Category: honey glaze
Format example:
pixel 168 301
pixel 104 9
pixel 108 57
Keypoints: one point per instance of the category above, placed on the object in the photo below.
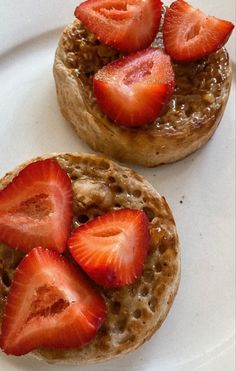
pixel 198 91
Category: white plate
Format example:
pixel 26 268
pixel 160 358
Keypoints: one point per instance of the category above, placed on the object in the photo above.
pixel 199 331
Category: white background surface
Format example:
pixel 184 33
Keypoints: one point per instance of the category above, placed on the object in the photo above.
pixel 199 331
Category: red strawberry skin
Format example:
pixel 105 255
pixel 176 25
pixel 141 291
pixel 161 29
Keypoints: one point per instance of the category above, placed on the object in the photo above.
pixel 36 208
pixel 133 90
pixel 50 304
pixel 112 248
pixel 126 25
pixel 189 34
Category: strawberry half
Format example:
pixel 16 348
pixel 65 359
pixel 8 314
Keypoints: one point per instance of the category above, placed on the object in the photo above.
pixel 133 90
pixel 50 304
pixel 127 25
pixel 36 208
pixel 189 34
pixel 112 248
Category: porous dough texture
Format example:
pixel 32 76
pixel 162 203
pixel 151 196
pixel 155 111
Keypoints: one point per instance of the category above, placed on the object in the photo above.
pixel 189 120
pixel 136 311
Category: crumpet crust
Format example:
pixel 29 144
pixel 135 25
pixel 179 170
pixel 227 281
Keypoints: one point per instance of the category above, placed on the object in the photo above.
pixel 136 311
pixel 190 120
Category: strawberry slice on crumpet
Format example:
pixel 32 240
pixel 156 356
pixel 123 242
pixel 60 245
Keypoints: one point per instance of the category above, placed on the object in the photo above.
pixel 50 304
pixel 112 248
pixel 189 34
pixel 126 25
pixel 36 208
pixel 133 90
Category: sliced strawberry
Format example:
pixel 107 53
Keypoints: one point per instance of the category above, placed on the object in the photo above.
pixel 112 248
pixel 127 25
pixel 36 207
pixel 189 34
pixel 133 90
pixel 50 304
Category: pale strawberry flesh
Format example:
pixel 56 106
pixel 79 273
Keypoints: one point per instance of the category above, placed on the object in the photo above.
pixel 127 25
pixel 112 248
pixel 132 91
pixel 36 208
pixel 189 34
pixel 50 304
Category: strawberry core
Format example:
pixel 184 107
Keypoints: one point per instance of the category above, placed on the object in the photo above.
pixel 112 6
pixel 47 302
pixel 36 207
pixel 108 233
pixel 194 31
pixel 138 74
